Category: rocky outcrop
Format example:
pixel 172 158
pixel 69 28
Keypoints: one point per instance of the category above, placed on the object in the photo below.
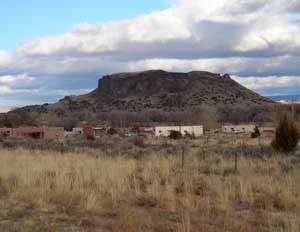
pixel 156 81
pixel 187 89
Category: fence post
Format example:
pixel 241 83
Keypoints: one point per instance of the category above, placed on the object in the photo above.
pixel 236 162
pixel 182 157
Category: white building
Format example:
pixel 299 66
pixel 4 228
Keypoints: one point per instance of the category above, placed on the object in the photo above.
pixel 165 130
pixel 237 129
pixel 192 130
pixel 185 130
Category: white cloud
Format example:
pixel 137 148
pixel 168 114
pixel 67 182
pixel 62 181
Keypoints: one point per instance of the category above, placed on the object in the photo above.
pixel 5 58
pixel 239 37
pixel 4 90
pixel 64 92
pixel 212 26
pixel 20 79
pixel 241 65
pixel 269 82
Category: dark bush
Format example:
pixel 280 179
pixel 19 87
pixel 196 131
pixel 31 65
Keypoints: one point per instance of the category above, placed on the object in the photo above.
pixel 175 134
pixel 286 136
pixel 90 137
pixel 256 133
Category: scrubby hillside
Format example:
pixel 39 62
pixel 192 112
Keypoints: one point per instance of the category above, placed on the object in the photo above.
pixel 153 96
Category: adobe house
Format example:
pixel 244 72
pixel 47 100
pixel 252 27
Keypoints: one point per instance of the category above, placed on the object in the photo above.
pixel 88 131
pixel 96 132
pixel 237 129
pixel 184 130
pixel 38 132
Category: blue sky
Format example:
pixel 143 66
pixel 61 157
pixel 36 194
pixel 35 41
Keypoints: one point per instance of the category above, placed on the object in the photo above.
pixel 49 49
pixel 29 19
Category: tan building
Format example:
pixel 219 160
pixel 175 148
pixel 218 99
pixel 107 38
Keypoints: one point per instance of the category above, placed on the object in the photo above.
pixel 237 129
pixel 77 131
pixel 38 132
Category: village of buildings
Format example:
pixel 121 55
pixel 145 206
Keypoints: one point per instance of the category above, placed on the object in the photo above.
pixel 194 131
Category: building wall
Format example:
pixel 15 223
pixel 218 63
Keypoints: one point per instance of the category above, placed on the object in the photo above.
pixel 196 130
pixel 88 131
pixel 26 132
pixel 53 133
pixel 165 130
pixel 267 131
pixel 238 128
pixel 78 131
pixel 40 133
pixel 5 131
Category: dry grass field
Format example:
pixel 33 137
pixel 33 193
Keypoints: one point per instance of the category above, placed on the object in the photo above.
pixel 50 191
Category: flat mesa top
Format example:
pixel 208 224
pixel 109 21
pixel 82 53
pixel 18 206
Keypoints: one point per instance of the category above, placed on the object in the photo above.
pixel 158 73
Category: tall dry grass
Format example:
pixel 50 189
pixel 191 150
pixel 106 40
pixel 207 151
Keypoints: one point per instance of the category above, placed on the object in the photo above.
pixel 206 195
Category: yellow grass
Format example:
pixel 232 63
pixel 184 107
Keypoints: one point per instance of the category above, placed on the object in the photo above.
pixel 150 194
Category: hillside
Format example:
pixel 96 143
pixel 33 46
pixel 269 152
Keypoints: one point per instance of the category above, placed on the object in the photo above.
pixel 153 96
pixel 171 91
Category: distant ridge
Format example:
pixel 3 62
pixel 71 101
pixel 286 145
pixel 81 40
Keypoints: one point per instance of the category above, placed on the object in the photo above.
pixel 284 97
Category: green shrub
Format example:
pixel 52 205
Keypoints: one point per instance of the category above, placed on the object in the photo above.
pixel 286 136
pixel 256 133
pixel 175 134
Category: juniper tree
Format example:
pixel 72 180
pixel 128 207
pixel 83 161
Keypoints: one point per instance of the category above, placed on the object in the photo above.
pixel 286 136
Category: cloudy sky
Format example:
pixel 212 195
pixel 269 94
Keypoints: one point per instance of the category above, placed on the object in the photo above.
pixel 48 50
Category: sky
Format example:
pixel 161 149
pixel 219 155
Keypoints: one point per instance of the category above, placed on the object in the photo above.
pixel 49 49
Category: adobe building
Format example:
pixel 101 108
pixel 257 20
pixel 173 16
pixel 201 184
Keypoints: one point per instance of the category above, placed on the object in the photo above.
pixel 38 132
pixel 5 132
pixel 95 132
